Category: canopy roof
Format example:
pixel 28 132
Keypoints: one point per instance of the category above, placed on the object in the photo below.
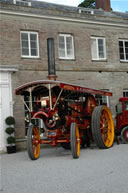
pixel 57 86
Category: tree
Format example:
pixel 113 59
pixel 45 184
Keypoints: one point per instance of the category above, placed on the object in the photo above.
pixel 88 4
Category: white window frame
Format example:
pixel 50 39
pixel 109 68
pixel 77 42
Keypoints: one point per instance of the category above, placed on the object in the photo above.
pixel 29 46
pixel 125 60
pixel 22 2
pixel 97 48
pixel 66 56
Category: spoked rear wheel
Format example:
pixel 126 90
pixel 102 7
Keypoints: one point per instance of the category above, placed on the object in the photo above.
pixel 124 134
pixel 75 140
pixel 33 142
pixel 102 127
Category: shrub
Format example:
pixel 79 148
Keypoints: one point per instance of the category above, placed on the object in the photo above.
pixel 11 140
pixel 10 120
pixel 9 130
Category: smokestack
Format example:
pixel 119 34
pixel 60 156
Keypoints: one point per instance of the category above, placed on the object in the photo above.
pixel 103 4
pixel 51 59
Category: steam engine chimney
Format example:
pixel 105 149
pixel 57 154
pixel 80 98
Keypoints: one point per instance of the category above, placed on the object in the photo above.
pixel 103 4
pixel 51 59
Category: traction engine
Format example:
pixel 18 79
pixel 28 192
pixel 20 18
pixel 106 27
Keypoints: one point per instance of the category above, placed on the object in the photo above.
pixel 65 114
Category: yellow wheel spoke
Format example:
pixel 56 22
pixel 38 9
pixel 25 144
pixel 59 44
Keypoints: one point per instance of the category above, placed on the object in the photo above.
pixel 107 131
pixel 35 140
pixel 77 141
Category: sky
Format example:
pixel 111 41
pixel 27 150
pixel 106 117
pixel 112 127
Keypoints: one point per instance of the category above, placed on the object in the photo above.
pixel 117 5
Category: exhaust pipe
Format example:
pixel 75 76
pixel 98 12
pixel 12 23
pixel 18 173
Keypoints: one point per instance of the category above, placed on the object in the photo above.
pixel 51 59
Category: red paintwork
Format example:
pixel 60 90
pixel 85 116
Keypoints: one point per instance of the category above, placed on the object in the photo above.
pixel 57 124
pixel 40 114
pixel 122 119
pixel 123 99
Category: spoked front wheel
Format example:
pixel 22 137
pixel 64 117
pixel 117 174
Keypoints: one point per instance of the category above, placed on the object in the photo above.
pixel 102 127
pixel 33 142
pixel 75 140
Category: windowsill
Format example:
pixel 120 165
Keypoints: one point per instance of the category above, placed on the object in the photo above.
pixel 35 58
pixel 124 61
pixel 73 59
pixel 103 60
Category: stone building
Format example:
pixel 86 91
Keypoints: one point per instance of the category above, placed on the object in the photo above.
pixel 91 49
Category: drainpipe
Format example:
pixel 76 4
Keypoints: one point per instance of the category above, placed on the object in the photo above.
pixel 51 59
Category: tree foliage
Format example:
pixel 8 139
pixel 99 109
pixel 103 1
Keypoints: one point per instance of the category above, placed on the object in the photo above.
pixel 88 4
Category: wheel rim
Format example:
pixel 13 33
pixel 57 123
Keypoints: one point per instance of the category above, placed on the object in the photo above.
pixel 106 127
pixel 77 141
pixel 35 142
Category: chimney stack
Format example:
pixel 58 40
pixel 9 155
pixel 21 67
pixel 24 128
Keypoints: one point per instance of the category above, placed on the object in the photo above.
pixel 103 4
pixel 51 59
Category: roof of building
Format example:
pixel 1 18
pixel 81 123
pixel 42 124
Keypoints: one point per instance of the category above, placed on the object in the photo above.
pixel 76 10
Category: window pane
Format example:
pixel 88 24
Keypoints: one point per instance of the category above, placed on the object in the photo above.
pixel 33 44
pixel 33 37
pixel 33 52
pixel 62 53
pixel 101 48
pixel 121 43
pixel 24 44
pixel 93 49
pixel 126 44
pixel 61 42
pixel 100 42
pixel 25 52
pixel 61 39
pixel 69 47
pixel 69 54
pixel 61 46
pixel 126 56
pixel 121 50
pixel 126 50
pixel 24 36
pixel 69 43
pixel 125 94
pixel 122 56
pixel 101 55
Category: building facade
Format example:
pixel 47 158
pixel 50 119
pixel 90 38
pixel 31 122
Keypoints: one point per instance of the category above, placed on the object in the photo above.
pixel 91 49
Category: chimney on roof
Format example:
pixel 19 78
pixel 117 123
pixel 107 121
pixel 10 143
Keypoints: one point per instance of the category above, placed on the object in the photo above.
pixel 103 4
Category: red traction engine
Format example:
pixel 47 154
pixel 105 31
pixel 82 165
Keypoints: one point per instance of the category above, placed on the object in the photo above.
pixel 65 114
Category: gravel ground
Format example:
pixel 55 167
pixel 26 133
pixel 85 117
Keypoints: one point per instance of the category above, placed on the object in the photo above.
pixel 96 171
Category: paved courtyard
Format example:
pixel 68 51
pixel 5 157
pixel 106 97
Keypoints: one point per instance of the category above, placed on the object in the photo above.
pixel 96 171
